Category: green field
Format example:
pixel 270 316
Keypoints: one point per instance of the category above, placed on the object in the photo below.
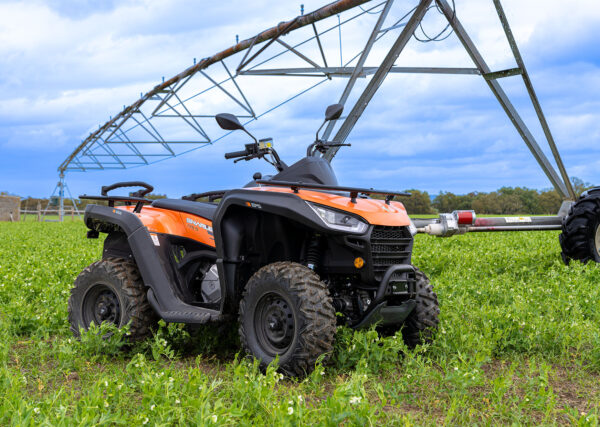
pixel 519 342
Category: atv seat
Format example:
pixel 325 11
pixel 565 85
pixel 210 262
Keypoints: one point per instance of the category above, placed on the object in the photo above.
pixel 203 209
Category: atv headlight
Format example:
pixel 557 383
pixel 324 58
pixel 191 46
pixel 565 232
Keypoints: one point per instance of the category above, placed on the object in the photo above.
pixel 339 220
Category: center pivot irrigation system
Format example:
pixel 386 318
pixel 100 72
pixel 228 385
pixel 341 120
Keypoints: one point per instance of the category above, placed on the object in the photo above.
pixel 174 117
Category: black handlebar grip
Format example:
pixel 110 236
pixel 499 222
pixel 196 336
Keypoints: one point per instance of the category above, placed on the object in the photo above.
pixel 141 193
pixel 236 154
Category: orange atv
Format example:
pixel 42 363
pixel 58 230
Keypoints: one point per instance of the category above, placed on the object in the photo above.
pixel 283 255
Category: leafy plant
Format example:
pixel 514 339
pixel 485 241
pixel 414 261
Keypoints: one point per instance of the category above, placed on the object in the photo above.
pixel 517 344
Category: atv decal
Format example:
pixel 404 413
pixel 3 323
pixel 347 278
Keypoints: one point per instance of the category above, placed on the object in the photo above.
pixel 154 238
pixel 513 219
pixel 192 222
pixel 254 205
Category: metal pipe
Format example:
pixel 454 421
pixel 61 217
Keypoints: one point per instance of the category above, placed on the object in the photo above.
pixel 508 107
pixel 534 98
pixel 273 32
pixel 349 71
pixel 447 225
pixel 512 220
pixel 378 77
pixel 514 228
pixel 357 72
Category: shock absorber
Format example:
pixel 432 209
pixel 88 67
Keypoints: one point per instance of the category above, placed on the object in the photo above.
pixel 313 253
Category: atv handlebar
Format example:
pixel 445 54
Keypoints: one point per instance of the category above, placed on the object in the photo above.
pixel 235 154
pixel 139 193
pixel 258 150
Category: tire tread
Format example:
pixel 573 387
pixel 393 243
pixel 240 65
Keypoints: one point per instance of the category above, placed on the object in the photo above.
pixel 317 336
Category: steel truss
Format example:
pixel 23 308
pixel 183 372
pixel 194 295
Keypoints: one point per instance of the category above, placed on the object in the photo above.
pixel 133 137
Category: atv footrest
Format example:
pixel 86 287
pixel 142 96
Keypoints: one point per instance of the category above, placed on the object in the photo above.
pixel 180 312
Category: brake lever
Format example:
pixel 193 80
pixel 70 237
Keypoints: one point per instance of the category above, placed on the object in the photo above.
pixel 246 158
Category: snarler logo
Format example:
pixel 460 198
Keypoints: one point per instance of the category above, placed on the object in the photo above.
pixel 192 222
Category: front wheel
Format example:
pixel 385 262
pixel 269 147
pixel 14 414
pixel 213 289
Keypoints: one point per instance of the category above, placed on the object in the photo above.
pixel 286 311
pixel 422 322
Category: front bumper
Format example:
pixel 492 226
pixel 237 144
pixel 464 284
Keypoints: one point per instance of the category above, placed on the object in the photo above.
pixel 386 286
pixel 384 315
pixel 381 312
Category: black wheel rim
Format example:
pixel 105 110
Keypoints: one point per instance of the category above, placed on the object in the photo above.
pixel 274 323
pixel 101 304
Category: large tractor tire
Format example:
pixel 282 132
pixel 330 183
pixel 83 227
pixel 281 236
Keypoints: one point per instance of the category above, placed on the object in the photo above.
pixel 422 322
pixel 286 311
pixel 580 237
pixel 111 290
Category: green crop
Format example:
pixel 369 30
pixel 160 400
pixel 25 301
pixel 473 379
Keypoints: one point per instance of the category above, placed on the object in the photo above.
pixel 518 343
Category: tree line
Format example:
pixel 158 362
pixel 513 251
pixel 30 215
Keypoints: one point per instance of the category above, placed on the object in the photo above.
pixel 504 201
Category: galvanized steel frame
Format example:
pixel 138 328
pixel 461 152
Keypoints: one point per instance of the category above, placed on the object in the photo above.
pixel 88 155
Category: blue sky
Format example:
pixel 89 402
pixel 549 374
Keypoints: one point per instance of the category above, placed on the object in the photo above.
pixel 66 66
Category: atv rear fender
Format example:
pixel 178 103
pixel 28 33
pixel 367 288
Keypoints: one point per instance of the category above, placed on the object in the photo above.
pixel 161 294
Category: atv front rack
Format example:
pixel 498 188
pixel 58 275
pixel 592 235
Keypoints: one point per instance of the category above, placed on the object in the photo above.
pixel 354 192
pixel 212 195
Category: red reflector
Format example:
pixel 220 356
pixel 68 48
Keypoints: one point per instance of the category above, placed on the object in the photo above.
pixel 465 217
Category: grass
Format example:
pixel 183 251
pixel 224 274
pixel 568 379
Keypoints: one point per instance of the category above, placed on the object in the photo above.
pixel 49 218
pixel 519 343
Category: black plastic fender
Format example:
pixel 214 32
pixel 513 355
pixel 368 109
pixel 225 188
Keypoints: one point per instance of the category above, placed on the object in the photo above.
pixel 228 235
pixel 161 294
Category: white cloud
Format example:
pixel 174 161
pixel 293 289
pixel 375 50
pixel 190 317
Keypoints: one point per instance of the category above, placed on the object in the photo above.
pixel 66 67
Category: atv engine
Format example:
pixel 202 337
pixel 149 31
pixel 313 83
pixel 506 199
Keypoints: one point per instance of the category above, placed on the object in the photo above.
pixel 211 287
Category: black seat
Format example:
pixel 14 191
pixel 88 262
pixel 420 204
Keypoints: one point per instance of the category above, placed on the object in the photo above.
pixel 203 209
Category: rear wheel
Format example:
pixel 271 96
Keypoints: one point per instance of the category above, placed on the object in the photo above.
pixel 580 237
pixel 286 311
pixel 422 322
pixel 111 290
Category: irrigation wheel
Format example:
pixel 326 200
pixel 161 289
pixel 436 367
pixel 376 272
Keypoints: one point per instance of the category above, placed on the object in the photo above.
pixel 580 237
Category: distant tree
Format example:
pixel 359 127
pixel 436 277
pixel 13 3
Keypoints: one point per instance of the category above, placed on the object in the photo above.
pixel 549 202
pixel 449 202
pixel 579 185
pixel 511 204
pixel 418 203
pixel 487 203
pixel 153 196
pixel 528 200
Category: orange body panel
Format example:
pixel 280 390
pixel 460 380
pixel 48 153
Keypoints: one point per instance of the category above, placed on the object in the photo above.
pixel 182 224
pixel 374 211
pixel 165 221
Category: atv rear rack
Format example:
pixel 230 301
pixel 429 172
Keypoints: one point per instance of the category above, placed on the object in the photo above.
pixel 354 192
pixel 128 200
pixel 137 197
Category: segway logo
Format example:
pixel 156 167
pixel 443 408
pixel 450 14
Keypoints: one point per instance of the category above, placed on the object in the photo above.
pixel 253 205
pixel 193 223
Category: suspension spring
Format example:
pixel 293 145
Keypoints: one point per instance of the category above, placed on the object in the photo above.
pixel 313 253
